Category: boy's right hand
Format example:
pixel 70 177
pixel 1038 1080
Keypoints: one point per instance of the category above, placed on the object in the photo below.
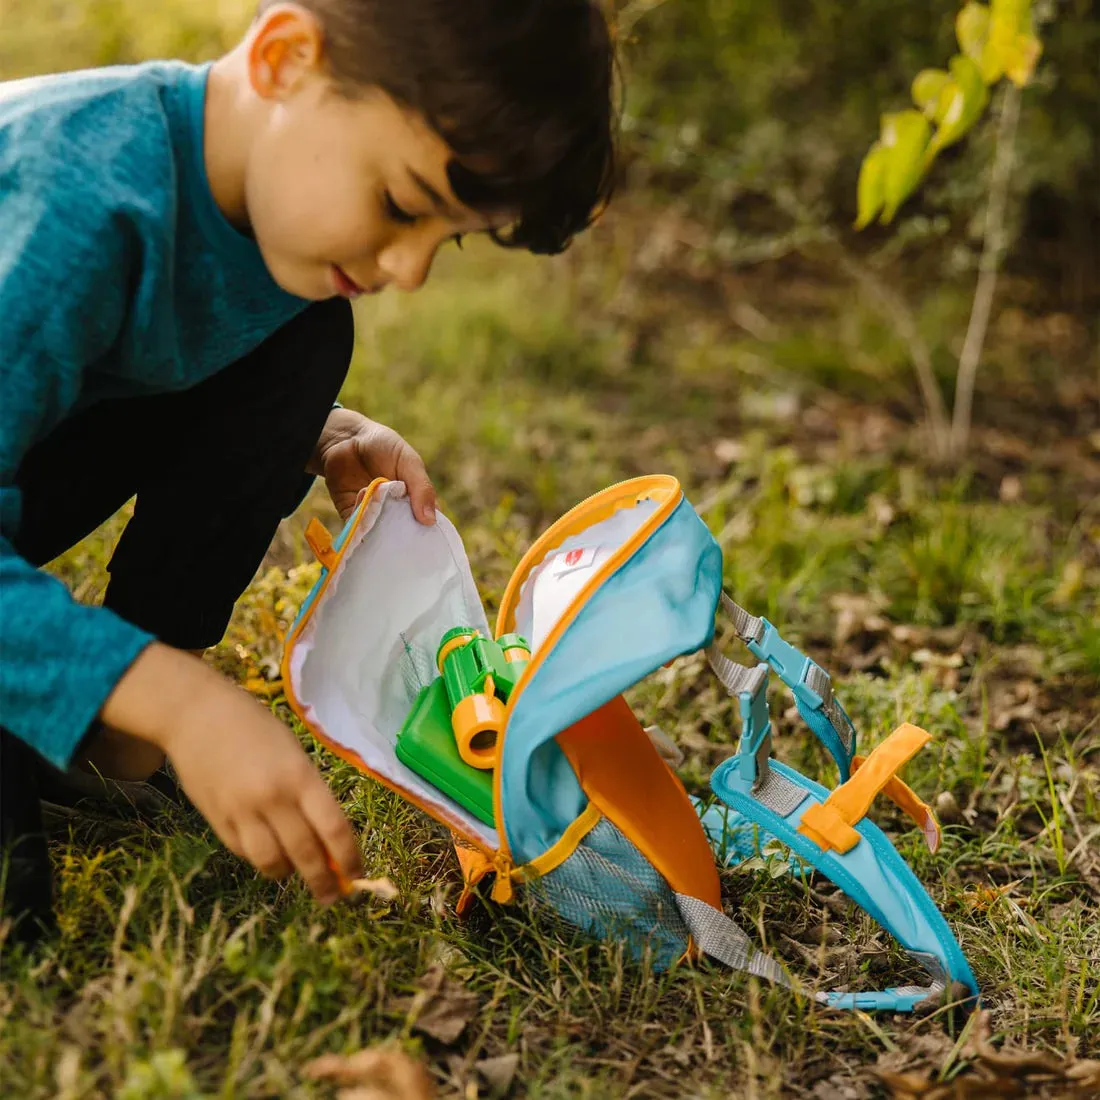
pixel 243 769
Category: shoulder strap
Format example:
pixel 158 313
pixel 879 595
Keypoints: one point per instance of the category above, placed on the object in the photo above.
pixel 811 684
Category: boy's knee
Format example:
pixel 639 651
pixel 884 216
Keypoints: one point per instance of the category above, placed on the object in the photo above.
pixel 117 755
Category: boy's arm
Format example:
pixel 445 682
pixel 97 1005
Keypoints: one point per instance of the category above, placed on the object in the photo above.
pixel 63 280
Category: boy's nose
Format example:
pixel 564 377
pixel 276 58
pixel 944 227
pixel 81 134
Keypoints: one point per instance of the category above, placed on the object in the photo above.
pixel 407 265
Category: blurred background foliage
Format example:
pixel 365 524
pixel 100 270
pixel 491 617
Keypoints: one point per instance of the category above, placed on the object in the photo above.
pixel 743 109
pixel 741 112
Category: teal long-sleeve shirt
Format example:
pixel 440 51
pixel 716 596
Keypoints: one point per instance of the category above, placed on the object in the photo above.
pixel 119 276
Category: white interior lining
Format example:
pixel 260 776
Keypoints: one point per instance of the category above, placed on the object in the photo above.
pixel 552 585
pixel 361 659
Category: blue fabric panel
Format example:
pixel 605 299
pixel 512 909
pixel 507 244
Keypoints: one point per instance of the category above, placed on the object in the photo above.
pixel 659 605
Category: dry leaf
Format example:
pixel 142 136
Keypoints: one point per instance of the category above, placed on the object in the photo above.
pixel 498 1072
pixel 730 450
pixel 442 1008
pixel 989 1072
pixel 381 888
pixel 947 808
pixel 381 1073
pixel 1011 489
pixel 904 1085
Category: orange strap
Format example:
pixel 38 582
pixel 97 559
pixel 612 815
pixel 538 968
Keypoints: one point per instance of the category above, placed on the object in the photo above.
pixel 918 811
pixel 320 542
pixel 475 866
pixel 829 824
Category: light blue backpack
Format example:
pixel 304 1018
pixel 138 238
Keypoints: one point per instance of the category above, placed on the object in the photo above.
pixel 588 818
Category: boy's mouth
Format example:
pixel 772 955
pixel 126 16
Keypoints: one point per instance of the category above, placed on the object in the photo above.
pixel 345 285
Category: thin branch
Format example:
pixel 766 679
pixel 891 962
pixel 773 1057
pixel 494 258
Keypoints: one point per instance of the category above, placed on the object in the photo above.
pixel 993 248
pixel 900 314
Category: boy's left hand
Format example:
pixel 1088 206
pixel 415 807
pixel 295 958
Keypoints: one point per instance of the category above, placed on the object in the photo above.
pixel 353 451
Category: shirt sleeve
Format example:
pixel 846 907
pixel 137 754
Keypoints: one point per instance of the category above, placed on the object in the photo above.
pixel 66 265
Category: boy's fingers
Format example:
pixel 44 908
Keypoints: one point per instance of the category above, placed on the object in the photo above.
pixel 334 831
pixel 261 847
pixel 412 471
pixel 306 852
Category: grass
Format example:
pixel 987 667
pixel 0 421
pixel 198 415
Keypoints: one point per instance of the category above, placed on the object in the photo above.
pixel 179 973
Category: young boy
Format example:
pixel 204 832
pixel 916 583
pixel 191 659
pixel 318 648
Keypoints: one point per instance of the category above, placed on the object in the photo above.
pixel 178 248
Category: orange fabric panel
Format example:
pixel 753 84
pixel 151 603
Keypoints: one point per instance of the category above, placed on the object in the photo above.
pixel 626 779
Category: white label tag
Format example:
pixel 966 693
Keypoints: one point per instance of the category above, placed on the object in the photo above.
pixel 572 560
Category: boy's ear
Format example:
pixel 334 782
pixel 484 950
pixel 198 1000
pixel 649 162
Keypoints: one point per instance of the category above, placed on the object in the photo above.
pixel 286 46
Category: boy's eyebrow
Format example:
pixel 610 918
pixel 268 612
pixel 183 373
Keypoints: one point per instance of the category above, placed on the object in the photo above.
pixel 439 203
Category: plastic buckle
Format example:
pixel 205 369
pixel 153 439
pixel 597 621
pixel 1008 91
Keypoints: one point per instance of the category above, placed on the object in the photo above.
pixel 791 665
pixel 756 736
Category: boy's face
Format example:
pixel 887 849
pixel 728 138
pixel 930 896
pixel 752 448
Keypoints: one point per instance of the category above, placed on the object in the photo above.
pixel 344 196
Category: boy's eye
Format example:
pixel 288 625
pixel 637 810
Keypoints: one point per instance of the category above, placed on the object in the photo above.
pixel 397 213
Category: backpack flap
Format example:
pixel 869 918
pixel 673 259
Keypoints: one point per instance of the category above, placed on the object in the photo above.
pixel 354 666
pixel 619 586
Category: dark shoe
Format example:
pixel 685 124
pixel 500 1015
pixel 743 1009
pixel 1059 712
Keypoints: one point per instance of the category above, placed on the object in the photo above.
pixel 26 883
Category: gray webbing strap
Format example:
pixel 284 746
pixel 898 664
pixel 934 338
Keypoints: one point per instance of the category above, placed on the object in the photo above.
pixel 778 793
pixel 722 939
pixel 736 678
pixel 749 628
pixel 819 682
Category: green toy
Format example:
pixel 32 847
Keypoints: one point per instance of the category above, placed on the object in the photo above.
pixel 450 735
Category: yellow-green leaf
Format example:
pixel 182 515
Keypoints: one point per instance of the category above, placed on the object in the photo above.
pixel 1021 65
pixel 972 30
pixel 905 137
pixel 1016 13
pixel 1008 21
pixel 968 99
pixel 928 88
pixel 869 192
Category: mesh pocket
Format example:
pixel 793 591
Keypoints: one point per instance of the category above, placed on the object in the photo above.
pixel 608 888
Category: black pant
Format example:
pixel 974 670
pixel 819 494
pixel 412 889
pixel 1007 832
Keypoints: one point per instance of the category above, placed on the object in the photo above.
pixel 215 468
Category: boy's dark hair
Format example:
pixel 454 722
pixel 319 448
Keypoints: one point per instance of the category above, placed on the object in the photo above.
pixel 521 90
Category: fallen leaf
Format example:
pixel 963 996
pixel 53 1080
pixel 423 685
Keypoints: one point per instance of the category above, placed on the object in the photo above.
pixel 904 1085
pixel 982 1071
pixel 937 660
pixel 380 1073
pixel 442 1008
pixel 730 450
pixel 1011 489
pixel 381 888
pixel 498 1072
pixel 947 808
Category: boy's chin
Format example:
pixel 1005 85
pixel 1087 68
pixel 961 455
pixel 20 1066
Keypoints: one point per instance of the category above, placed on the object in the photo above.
pixel 310 282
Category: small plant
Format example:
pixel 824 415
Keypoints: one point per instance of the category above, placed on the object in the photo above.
pixel 996 41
